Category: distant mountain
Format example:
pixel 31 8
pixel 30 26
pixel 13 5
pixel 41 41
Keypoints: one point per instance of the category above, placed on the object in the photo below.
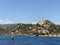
pixel 3 25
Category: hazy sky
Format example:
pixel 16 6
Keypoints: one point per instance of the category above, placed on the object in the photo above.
pixel 28 11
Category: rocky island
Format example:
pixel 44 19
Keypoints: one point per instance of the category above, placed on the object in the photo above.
pixel 41 28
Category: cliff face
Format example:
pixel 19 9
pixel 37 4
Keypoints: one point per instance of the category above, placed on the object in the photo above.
pixel 43 27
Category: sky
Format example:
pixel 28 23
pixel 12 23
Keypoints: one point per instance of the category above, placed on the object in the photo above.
pixel 29 11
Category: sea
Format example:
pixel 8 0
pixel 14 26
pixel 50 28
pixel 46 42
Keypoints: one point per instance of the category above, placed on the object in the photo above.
pixel 29 40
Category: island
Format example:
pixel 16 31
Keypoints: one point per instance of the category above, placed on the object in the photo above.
pixel 40 28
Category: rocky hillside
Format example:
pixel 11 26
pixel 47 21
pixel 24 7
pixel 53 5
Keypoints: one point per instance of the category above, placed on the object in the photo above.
pixel 43 27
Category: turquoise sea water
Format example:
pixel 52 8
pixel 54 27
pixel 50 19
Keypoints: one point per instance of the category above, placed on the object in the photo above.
pixel 28 40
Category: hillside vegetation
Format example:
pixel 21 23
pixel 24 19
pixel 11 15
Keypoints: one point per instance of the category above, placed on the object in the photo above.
pixel 41 28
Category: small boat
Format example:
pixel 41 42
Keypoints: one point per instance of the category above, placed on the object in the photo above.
pixel 12 38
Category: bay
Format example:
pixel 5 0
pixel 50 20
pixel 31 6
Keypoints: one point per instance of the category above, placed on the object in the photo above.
pixel 29 40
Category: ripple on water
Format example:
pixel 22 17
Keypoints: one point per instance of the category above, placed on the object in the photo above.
pixel 28 40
